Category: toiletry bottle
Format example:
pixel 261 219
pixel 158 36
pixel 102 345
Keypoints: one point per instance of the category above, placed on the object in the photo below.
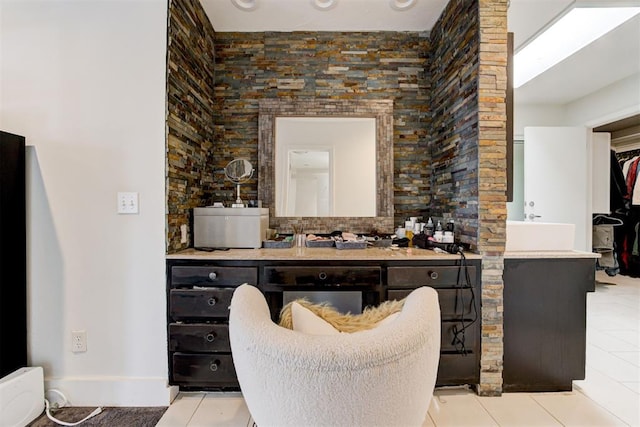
pixel 408 225
pixel 439 226
pixel 428 229
pixel 450 225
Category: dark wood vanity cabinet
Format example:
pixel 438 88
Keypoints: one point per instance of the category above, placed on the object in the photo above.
pixel 199 293
pixel 348 287
pixel 459 297
pixel 545 320
pixel 198 333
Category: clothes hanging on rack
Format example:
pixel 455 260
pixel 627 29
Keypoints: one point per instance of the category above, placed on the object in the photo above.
pixel 625 207
pixel 627 239
pixel 623 156
pixel 630 169
pixel 618 200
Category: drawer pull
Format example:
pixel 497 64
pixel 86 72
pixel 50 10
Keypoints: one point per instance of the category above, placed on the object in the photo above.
pixel 322 275
pixel 213 275
pixel 433 275
pixel 213 366
pixel 210 337
pixel 211 301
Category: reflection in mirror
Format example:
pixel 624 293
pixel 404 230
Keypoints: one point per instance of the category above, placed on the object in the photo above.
pixel 238 171
pixel 307 189
pixel 325 167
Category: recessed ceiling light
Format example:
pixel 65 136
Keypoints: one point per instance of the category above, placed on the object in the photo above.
pixel 402 4
pixel 573 31
pixel 324 4
pixel 245 4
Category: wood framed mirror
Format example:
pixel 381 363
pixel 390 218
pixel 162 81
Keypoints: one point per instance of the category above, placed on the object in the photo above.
pixel 380 110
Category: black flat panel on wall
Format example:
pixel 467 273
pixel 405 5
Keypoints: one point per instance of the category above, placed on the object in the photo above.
pixel 13 257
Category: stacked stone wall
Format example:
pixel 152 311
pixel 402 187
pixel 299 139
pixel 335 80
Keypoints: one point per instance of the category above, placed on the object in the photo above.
pixel 454 106
pixel 329 65
pixel 190 115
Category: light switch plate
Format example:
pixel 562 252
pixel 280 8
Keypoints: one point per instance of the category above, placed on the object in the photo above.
pixel 127 203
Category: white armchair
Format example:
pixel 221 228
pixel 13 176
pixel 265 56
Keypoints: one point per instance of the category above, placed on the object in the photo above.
pixel 379 377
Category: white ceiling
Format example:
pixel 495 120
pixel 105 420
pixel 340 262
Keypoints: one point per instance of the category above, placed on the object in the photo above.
pixel 609 59
pixel 613 57
pixel 301 15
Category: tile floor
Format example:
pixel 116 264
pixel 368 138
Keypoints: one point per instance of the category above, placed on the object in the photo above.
pixel 609 396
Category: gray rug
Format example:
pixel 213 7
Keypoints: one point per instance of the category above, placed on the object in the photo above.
pixel 115 417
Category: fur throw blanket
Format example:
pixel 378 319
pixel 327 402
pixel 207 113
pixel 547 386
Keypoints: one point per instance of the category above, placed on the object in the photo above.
pixel 343 322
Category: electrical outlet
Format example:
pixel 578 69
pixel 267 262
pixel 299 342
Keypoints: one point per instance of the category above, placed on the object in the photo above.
pixel 78 341
pixel 128 203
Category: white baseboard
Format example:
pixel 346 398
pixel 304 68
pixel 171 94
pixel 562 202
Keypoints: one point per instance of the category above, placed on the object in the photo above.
pixel 114 391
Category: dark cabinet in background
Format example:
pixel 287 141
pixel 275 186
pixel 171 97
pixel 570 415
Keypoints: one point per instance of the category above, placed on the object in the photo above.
pixel 545 320
pixel 13 256
pixel 459 311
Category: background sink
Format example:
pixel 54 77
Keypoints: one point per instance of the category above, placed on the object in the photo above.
pixel 539 236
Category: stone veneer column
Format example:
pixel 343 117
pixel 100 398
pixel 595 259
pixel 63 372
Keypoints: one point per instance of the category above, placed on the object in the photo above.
pixel 454 132
pixel 492 185
pixel 190 116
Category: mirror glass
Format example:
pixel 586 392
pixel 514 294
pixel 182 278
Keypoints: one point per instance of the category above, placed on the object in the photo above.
pixel 325 166
pixel 238 171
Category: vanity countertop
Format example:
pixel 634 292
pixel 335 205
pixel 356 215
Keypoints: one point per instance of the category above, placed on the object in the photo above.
pixel 333 254
pixel 329 254
pixel 549 254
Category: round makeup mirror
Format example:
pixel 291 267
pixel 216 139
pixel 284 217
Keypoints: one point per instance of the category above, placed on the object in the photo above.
pixel 238 171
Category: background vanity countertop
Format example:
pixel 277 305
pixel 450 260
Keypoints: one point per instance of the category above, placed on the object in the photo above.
pixel 549 254
pixel 319 254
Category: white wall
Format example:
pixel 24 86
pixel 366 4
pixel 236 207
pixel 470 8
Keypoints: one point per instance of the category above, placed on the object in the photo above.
pixel 525 115
pixel 84 82
pixel 614 102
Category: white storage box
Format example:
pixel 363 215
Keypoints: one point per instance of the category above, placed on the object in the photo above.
pixel 21 397
pixel 230 227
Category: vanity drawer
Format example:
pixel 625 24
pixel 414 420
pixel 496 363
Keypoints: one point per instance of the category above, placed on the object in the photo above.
pixel 436 277
pixel 199 337
pixel 454 303
pixel 313 276
pixel 213 276
pixel 448 337
pixel 456 369
pixel 200 303
pixel 204 370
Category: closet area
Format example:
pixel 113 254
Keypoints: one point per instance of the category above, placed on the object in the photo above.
pixel 617 236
